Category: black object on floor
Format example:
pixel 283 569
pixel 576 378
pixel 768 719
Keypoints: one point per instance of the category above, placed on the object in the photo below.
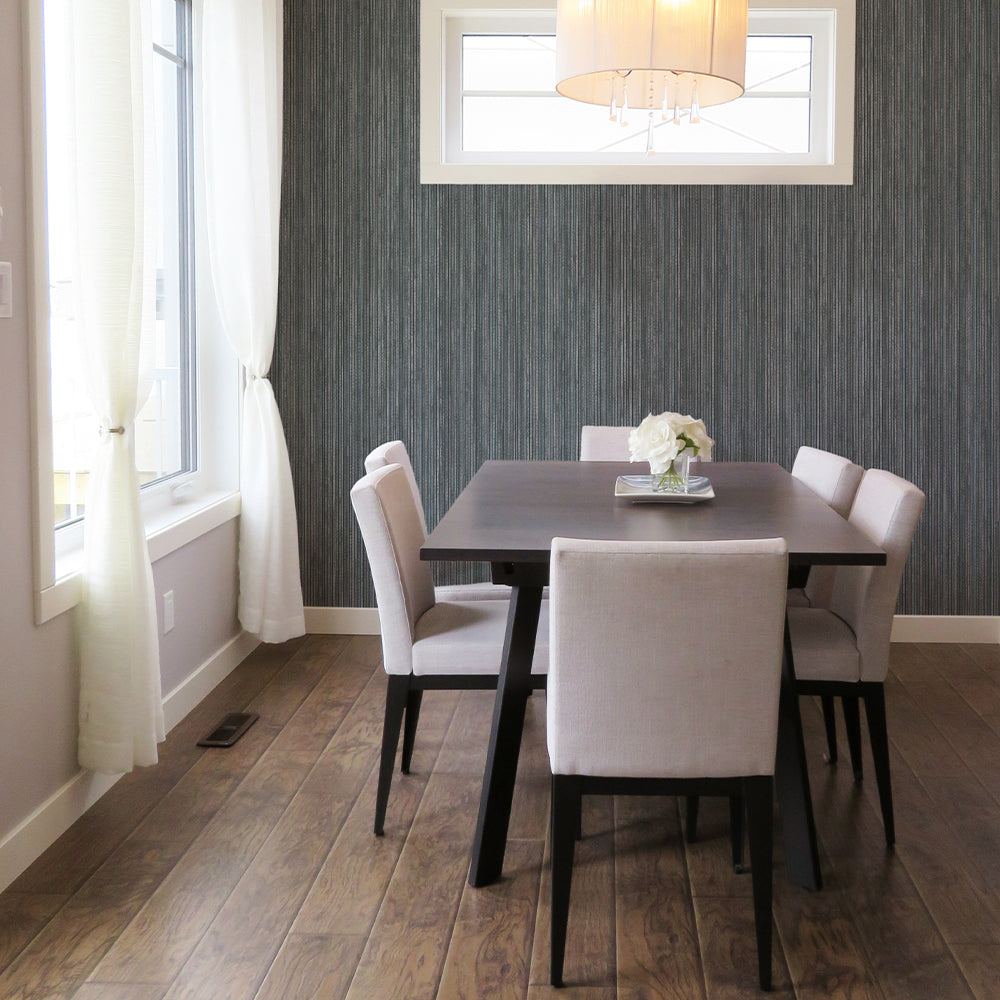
pixel 229 730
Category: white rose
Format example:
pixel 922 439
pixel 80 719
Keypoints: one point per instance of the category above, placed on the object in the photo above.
pixel 696 431
pixel 654 441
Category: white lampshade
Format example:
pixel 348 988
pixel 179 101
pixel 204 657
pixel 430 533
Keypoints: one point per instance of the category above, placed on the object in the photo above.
pixel 651 53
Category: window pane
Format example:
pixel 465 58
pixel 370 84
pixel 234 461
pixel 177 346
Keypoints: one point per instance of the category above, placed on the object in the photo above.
pixel 159 430
pixel 776 62
pixel 536 124
pixel 508 120
pixel 163 427
pixel 165 24
pixel 74 427
pixel 509 62
pixel 527 124
pixel 778 125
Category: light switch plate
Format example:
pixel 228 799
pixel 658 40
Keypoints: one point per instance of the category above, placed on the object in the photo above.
pixel 6 290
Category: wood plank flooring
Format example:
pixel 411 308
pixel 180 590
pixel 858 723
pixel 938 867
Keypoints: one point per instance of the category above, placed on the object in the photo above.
pixel 252 873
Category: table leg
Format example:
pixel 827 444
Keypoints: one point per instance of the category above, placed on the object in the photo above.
pixel 792 784
pixel 513 688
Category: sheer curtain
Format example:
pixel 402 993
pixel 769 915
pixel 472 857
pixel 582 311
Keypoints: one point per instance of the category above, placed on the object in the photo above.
pixel 241 64
pixel 121 713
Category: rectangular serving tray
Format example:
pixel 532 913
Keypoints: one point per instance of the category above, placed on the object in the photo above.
pixel 639 489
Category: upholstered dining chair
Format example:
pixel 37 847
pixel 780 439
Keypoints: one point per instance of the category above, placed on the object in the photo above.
pixel 394 453
pixel 427 643
pixel 843 650
pixel 836 480
pixel 607 443
pixel 638 703
pixel 599 443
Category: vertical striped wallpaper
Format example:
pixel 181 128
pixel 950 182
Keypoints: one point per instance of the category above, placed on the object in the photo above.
pixel 479 322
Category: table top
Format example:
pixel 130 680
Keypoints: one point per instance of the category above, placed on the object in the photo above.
pixel 511 511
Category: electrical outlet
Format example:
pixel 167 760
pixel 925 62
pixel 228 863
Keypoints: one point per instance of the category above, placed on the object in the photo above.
pixel 6 290
pixel 168 611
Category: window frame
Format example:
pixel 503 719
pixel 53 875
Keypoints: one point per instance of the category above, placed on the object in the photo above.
pixel 177 508
pixel 442 24
pixel 69 532
pixel 186 238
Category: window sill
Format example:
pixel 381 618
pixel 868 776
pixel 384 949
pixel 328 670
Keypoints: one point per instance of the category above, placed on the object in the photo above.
pixel 434 171
pixel 167 531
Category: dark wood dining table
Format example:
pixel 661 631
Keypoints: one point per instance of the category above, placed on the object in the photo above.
pixel 508 515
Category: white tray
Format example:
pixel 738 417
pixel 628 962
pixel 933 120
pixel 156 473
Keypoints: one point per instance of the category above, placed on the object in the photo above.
pixel 639 489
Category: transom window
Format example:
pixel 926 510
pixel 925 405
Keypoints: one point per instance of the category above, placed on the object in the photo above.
pixel 499 119
pixel 507 107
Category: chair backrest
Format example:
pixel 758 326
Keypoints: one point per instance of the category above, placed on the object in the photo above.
pixel 836 480
pixel 394 453
pixel 665 657
pixel 600 443
pixel 604 444
pixel 886 509
pixel 391 529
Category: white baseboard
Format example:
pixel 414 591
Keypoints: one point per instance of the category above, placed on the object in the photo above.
pixel 30 838
pixel 52 818
pixel 342 621
pixel 946 628
pixel 905 628
pixel 37 832
pixel 193 689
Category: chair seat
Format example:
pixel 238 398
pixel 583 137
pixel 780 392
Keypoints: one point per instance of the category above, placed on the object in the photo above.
pixel 796 598
pixel 467 637
pixel 472 592
pixel 824 647
pixel 476 592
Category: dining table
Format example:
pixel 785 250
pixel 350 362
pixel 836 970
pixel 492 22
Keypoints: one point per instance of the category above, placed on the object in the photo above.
pixel 507 517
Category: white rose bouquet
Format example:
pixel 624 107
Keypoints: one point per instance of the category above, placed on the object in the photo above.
pixel 662 439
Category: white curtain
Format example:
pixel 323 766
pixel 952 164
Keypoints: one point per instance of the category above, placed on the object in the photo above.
pixel 241 65
pixel 121 712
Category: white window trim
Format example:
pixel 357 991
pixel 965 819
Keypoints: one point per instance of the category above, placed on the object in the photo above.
pixel 435 168
pixel 181 508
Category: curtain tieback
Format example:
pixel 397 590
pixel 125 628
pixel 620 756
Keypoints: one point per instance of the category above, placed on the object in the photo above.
pixel 112 430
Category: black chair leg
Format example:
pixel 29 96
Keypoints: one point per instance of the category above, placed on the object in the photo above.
pixel 874 695
pixel 413 699
pixel 759 794
pixel 564 817
pixel 737 808
pixel 852 723
pixel 395 704
pixel 691 818
pixel 829 721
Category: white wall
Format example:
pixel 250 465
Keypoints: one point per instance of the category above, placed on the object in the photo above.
pixel 38 664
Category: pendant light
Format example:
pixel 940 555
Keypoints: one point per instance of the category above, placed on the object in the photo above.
pixel 663 56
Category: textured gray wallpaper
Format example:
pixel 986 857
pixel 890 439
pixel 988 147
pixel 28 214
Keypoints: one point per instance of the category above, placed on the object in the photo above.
pixel 492 322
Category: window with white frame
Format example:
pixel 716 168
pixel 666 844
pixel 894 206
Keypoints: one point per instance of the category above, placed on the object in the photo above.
pixel 490 112
pixel 166 427
pixel 187 433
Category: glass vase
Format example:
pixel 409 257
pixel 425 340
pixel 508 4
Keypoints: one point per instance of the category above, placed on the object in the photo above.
pixel 677 477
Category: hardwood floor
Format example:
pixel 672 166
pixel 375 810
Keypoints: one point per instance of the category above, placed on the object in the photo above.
pixel 252 872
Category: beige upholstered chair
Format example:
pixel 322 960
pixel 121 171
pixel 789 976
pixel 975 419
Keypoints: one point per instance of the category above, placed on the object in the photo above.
pixel 394 453
pixel 600 443
pixel 836 480
pixel 426 642
pixel 844 650
pixel 604 444
pixel 642 703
